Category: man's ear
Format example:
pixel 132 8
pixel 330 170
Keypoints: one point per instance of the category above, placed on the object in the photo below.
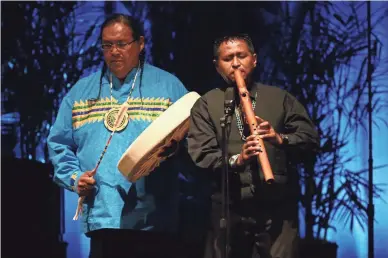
pixel 141 43
pixel 215 64
pixel 255 60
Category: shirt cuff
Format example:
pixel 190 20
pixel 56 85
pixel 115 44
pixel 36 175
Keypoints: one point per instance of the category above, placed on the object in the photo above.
pixel 74 181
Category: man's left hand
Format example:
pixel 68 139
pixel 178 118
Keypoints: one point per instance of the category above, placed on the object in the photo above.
pixel 266 131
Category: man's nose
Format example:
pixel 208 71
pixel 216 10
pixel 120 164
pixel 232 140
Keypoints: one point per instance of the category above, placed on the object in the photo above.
pixel 114 49
pixel 235 62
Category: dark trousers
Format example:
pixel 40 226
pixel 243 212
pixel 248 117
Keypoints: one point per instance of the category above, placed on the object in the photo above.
pixel 119 243
pixel 257 230
pixel 250 244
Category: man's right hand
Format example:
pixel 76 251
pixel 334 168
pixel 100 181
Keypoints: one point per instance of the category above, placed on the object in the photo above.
pixel 251 148
pixel 86 184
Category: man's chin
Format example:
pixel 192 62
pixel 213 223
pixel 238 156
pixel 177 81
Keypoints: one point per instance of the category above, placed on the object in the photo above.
pixel 119 74
pixel 117 67
pixel 117 70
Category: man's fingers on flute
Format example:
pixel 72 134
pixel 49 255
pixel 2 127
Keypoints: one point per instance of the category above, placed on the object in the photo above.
pixel 252 143
pixel 259 119
pixel 265 125
pixel 254 149
pixel 262 132
pixel 251 137
pixel 263 136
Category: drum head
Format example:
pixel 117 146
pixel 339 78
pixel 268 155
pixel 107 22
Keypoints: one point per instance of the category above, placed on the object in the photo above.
pixel 145 153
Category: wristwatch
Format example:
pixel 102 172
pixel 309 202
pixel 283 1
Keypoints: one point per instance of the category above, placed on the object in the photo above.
pixel 233 161
pixel 285 140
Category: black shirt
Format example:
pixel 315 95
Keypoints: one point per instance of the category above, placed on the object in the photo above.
pixel 279 108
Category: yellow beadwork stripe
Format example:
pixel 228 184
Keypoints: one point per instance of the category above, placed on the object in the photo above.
pixel 84 112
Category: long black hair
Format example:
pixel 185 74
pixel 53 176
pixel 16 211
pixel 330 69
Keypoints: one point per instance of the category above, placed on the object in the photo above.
pixel 137 31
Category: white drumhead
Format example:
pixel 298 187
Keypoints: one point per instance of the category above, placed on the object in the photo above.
pixel 142 156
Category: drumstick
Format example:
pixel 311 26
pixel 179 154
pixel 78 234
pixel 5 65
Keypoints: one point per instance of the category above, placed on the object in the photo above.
pixel 118 120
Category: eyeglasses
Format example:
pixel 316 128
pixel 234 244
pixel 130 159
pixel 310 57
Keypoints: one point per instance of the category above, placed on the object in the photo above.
pixel 119 45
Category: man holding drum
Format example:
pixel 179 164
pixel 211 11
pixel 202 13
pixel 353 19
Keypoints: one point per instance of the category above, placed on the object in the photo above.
pixel 263 210
pixel 123 219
